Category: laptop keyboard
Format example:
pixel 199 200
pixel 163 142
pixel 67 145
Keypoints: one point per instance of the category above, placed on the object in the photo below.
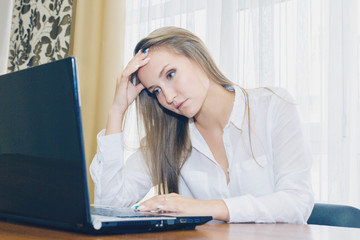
pixel 122 212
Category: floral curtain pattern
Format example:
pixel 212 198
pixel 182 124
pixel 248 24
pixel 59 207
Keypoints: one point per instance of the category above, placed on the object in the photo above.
pixel 40 32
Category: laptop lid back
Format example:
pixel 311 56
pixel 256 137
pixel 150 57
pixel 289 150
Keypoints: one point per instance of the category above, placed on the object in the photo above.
pixel 42 162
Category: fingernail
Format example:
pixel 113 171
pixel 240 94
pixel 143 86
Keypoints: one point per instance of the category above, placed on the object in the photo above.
pixel 138 208
pixel 146 59
pixel 146 50
pixel 136 66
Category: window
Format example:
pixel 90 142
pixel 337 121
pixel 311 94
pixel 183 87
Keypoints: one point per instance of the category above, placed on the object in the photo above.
pixel 309 47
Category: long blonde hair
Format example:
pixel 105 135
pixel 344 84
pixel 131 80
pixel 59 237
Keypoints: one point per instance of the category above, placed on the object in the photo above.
pixel 166 144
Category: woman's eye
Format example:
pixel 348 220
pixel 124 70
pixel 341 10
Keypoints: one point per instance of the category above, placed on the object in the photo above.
pixel 156 91
pixel 170 75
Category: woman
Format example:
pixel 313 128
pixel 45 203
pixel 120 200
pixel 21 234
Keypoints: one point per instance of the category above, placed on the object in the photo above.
pixel 210 147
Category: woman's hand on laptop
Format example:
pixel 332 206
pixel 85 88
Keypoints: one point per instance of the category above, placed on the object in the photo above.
pixel 180 205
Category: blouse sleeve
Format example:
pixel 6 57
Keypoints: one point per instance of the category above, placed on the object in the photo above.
pixel 118 183
pixel 292 200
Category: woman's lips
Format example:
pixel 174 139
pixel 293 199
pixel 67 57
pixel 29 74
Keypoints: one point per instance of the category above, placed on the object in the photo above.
pixel 180 104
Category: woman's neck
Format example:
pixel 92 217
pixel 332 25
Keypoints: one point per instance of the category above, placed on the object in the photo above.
pixel 217 108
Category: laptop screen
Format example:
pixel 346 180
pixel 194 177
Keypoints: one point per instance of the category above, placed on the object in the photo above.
pixel 42 163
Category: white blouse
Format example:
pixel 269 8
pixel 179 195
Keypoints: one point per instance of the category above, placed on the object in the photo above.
pixel 273 187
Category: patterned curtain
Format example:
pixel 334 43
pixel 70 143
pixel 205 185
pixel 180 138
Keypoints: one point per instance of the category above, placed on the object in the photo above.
pixel 40 32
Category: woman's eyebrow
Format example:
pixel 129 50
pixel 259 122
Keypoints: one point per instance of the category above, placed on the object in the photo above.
pixel 162 70
pixel 149 88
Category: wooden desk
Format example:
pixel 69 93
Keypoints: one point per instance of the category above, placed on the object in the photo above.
pixel 218 231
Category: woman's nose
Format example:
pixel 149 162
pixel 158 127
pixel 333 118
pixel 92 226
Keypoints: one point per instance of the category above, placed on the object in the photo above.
pixel 169 94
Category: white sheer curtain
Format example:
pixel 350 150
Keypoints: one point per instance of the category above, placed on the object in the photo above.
pixel 6 7
pixel 310 47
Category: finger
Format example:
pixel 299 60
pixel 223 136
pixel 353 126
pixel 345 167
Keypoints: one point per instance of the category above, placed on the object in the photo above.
pixel 141 54
pixel 138 53
pixel 140 59
pixel 133 66
pixel 141 51
pixel 143 62
pixel 139 87
pixel 152 204
pixel 147 208
pixel 168 208
pixel 139 63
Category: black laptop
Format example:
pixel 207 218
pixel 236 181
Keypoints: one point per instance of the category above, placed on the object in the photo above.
pixel 43 178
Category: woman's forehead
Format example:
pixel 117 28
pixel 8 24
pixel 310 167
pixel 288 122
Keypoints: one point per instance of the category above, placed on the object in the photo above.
pixel 160 57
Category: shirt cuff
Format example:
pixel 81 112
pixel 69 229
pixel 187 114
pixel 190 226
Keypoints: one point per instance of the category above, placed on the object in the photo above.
pixel 240 209
pixel 110 147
